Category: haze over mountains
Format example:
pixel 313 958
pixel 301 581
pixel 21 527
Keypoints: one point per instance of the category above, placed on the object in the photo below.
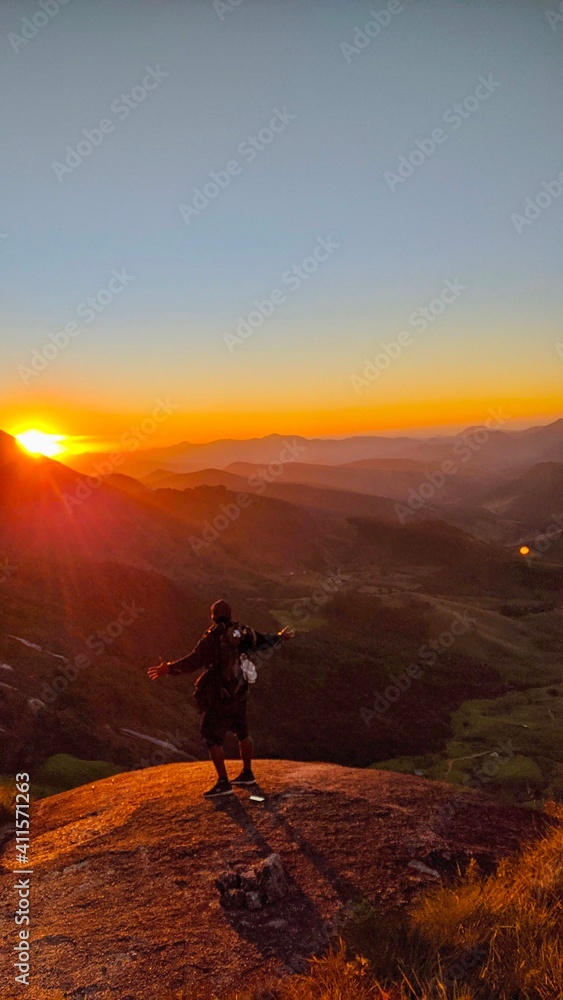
pixel 505 450
pixel 455 477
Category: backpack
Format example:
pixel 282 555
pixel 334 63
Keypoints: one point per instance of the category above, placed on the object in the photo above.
pixel 241 641
pixel 228 677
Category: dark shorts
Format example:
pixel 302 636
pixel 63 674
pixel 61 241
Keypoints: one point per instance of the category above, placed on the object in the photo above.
pixel 220 720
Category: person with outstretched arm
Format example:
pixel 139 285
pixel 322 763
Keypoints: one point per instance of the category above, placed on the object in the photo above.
pixel 225 655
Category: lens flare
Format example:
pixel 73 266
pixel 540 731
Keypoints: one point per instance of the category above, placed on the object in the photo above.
pixel 39 443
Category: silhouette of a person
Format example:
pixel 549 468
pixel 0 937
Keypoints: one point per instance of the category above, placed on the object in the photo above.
pixel 222 690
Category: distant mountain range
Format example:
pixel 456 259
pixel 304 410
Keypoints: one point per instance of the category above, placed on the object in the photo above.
pixel 477 449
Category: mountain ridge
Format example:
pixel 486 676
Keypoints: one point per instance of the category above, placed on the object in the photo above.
pixel 509 449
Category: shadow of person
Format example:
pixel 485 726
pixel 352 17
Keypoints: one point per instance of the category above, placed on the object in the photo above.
pixel 344 888
pixel 292 929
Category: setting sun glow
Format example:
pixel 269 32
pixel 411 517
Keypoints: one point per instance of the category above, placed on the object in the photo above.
pixel 39 443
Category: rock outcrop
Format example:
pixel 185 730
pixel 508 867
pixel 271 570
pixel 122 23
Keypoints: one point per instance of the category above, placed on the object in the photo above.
pixel 266 882
pixel 124 901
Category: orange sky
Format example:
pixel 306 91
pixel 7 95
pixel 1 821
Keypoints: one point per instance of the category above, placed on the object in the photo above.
pixel 93 429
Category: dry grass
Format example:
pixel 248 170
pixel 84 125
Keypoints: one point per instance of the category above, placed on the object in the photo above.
pixel 499 936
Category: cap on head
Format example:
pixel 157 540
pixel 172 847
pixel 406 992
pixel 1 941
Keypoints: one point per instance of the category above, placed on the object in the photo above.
pixel 221 611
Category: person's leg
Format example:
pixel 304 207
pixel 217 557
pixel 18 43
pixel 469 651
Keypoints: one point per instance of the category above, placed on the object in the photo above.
pixel 217 755
pixel 246 750
pixel 240 729
pixel 213 732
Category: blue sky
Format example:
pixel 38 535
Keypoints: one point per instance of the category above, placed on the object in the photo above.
pixel 322 175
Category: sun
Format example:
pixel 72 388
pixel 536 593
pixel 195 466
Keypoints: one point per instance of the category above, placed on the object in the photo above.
pixel 40 443
pixel 524 550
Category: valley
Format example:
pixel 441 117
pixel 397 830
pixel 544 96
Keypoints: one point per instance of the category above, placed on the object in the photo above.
pixel 107 585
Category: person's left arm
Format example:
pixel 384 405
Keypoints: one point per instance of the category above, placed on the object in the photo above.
pixel 265 640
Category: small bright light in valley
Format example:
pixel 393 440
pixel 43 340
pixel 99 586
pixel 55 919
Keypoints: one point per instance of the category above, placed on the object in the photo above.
pixel 524 550
pixel 39 443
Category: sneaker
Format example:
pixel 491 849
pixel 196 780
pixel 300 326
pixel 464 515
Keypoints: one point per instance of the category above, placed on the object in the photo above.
pixel 222 787
pixel 245 777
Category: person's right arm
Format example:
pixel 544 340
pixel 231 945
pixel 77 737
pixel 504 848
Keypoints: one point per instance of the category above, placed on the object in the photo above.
pixel 199 658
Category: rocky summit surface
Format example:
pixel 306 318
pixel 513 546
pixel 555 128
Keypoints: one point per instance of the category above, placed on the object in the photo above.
pixel 125 902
